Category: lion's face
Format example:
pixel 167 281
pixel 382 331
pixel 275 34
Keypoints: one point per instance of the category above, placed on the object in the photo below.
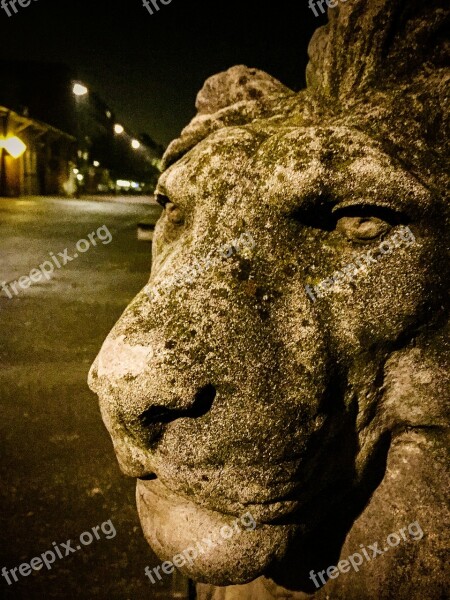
pixel 231 388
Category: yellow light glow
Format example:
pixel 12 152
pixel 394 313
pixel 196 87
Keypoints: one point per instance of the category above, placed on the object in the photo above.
pixel 135 144
pixel 118 128
pixel 79 89
pixel 14 146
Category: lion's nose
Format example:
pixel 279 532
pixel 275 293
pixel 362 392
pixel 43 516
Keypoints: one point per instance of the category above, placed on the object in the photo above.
pixel 147 428
pixel 137 411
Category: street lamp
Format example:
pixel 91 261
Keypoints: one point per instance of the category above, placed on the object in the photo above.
pixel 79 89
pixel 135 144
pixel 14 146
pixel 118 128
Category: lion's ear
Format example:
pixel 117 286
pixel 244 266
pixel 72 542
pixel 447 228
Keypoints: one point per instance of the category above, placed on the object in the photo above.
pixel 235 97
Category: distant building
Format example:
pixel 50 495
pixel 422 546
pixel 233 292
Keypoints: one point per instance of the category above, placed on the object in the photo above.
pixel 72 144
pixel 48 163
pixel 40 90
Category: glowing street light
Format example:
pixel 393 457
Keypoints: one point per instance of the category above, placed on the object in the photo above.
pixel 79 89
pixel 96 163
pixel 14 146
pixel 135 144
pixel 118 128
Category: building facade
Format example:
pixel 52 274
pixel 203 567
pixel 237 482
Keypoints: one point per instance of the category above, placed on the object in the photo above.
pixel 45 167
pixel 72 143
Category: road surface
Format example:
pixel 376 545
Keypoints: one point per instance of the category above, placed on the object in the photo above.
pixel 59 477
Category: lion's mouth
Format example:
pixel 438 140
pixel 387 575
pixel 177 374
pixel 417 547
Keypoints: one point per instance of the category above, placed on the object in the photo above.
pixel 282 508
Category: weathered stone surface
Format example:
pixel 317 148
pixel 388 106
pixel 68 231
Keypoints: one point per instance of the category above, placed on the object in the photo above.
pixel 229 389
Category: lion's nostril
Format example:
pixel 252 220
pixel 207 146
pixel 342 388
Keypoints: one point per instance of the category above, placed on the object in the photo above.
pixel 157 414
pixel 202 404
pixel 148 477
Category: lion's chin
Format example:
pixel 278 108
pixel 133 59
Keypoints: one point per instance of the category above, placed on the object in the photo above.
pixel 206 545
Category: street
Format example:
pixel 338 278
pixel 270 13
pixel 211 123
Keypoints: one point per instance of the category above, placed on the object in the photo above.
pixel 59 476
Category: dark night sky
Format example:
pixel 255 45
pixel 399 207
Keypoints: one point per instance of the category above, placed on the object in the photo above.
pixel 149 68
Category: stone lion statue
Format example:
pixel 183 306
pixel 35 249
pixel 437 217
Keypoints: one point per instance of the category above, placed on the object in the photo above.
pixel 289 358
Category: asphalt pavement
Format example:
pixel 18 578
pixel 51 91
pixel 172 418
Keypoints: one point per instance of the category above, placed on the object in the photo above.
pixel 58 475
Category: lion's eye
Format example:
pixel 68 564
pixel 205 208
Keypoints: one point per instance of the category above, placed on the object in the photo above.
pixel 162 200
pixel 362 229
pixel 174 213
pixel 364 223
